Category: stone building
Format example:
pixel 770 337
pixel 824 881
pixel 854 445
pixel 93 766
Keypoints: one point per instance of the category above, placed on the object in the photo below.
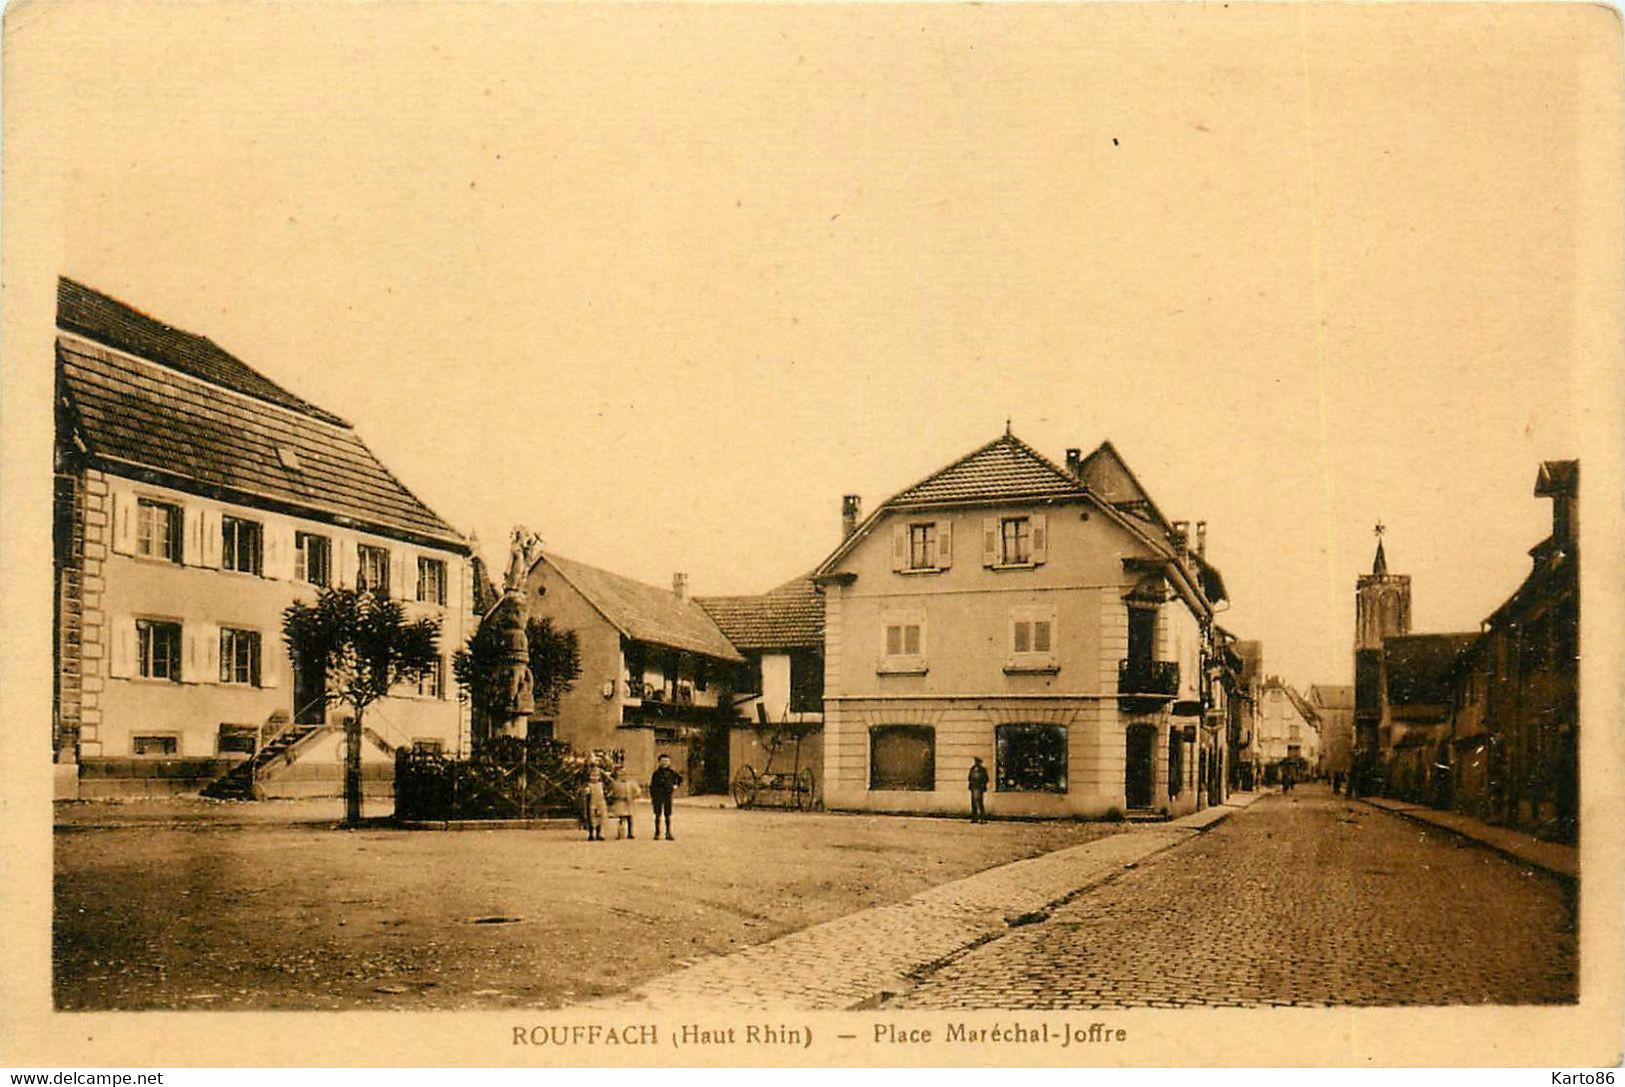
pixel 1287 732
pixel 1334 705
pixel 656 672
pixel 1046 619
pixel 1514 725
pixel 1382 603
pixel 195 499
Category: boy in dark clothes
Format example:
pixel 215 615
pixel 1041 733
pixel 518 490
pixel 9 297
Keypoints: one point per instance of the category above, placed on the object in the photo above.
pixel 977 780
pixel 665 779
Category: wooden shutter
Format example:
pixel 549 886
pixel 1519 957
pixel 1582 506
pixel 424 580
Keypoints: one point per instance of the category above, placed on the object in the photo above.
pixel 124 514
pixel 1040 523
pixel 279 549
pixel 410 587
pixel 192 535
pixel 272 654
pixel 210 550
pixel 990 541
pixel 899 546
pixel 402 581
pixel 200 653
pixel 121 660
pixel 945 544
pixel 345 562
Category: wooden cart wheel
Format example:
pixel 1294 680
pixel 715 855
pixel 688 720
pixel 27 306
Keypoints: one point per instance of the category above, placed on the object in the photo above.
pixel 804 790
pixel 745 785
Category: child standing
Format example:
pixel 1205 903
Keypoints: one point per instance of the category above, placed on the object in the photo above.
pixel 661 786
pixel 597 809
pixel 625 791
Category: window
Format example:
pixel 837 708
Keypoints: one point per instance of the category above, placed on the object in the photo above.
pixel 432 683
pixel 1032 640
pixel 312 558
pixel 240 657
pixel 243 739
pixel 903 649
pixel 1015 541
pixel 239 545
pixel 372 572
pixel 1031 758
pixel 158 530
pixel 431 581
pixel 160 649
pixel 903 640
pixel 1176 764
pixel 903 757
pixel 154 745
pixel 922 546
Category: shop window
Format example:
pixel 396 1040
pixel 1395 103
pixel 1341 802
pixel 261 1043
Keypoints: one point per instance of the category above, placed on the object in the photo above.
pixel 1031 758
pixel 903 757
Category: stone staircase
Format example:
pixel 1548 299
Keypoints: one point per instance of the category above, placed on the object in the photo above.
pixel 283 739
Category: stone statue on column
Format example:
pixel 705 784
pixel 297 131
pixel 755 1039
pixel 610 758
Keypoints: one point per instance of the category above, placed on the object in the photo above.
pixel 511 615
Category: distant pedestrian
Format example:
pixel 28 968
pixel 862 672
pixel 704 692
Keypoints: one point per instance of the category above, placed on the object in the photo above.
pixel 661 786
pixel 977 780
pixel 623 791
pixel 595 805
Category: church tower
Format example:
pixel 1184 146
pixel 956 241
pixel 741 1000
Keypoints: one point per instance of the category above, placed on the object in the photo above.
pixel 1382 603
pixel 1382 608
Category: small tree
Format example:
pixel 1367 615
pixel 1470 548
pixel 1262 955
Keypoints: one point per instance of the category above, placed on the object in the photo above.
pixel 367 646
pixel 555 665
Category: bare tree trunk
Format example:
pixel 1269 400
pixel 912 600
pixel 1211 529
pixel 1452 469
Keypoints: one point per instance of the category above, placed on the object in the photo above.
pixel 352 770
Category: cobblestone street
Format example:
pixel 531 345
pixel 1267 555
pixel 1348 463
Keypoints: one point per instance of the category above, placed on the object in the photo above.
pixel 1305 899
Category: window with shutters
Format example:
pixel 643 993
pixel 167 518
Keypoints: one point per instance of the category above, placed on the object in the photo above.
pixel 158 530
pixel 240 657
pixel 241 545
pixel 903 646
pixel 1016 542
pixel 158 644
pixel 431 581
pixel 1032 640
pixel 1031 758
pixel 312 558
pixel 372 569
pixel 903 757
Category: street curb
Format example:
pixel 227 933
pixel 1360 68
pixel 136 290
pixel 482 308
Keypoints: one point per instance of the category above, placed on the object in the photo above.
pixel 1509 854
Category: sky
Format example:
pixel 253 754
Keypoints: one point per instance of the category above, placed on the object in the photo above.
pixel 663 283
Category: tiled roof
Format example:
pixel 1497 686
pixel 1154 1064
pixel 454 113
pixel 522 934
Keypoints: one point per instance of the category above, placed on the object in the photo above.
pixel 1006 467
pixel 1330 697
pixel 1418 666
pixel 644 612
pixel 139 414
pixel 107 320
pixel 788 617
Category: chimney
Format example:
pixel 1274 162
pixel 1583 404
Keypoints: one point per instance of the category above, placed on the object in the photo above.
pixel 851 504
pixel 1074 463
pixel 1179 535
pixel 679 585
pixel 1201 539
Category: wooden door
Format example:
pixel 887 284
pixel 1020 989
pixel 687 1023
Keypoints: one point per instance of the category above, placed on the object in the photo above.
pixel 1137 774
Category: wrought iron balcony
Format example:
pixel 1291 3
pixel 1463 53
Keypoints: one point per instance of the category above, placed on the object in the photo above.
pixel 1146 685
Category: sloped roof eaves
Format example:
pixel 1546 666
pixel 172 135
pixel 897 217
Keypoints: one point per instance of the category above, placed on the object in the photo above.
pixel 104 319
pixel 138 416
pixel 788 617
pixel 1419 667
pixel 644 612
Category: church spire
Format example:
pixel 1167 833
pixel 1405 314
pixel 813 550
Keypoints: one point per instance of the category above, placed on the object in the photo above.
pixel 1379 565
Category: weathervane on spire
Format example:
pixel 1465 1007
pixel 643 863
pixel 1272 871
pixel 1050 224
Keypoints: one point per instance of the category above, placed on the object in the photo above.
pixel 1007 426
pixel 1380 529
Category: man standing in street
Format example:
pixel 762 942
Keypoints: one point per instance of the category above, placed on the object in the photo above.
pixel 978 791
pixel 661 785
